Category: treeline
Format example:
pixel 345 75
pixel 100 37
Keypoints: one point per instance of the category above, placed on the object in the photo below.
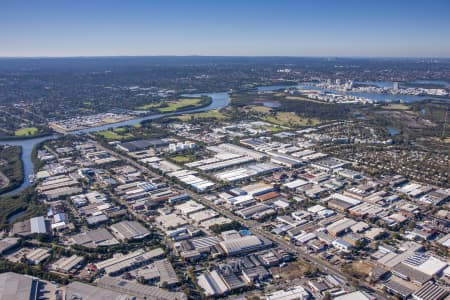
pixel 25 201
pixel 11 166
pixel 322 111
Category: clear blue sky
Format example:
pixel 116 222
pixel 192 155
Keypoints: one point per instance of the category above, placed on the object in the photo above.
pixel 228 27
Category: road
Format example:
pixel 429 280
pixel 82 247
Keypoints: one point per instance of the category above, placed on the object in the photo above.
pixel 322 265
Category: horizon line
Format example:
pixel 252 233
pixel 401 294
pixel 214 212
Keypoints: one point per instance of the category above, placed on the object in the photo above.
pixel 220 56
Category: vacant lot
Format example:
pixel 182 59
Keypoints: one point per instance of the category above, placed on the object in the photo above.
pixel 182 159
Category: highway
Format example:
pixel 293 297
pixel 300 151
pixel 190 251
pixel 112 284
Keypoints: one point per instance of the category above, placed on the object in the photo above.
pixel 253 226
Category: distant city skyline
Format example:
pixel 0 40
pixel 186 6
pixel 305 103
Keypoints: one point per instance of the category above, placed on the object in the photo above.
pixel 59 28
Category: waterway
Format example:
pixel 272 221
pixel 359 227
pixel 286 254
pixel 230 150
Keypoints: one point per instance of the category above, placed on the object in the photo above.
pixel 372 96
pixel 219 100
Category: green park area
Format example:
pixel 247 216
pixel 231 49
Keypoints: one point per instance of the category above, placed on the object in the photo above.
pixel 212 114
pixel 396 106
pixel 115 134
pixel 175 105
pixel 26 131
pixel 290 119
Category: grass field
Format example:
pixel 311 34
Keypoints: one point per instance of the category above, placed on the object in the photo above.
pixel 305 99
pixel 290 119
pixel 396 106
pixel 257 108
pixel 150 106
pixel 114 135
pixel 26 131
pixel 274 129
pixel 212 114
pixel 171 105
pixel 179 104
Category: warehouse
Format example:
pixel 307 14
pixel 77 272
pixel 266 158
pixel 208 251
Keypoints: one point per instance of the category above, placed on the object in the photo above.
pixel 284 160
pixel 258 189
pixel 430 291
pixel 140 145
pixel 419 268
pixel 342 202
pixel 247 172
pixel 166 272
pixel 215 221
pixel 230 148
pixel 255 212
pixel 292 293
pixel 242 245
pixel 330 163
pixel 189 207
pixel 129 230
pixel 342 245
pixel 220 161
pixel 295 184
pixel 78 290
pixel 365 209
pixel 66 264
pixel 203 215
pixel 38 255
pixel 358 295
pixel 19 287
pixel 138 290
pixel 95 238
pixel 38 225
pixel 121 263
pixel 340 227
pixel 195 182
pixel 204 244
pixel 170 221
pixel 212 284
pixel 257 273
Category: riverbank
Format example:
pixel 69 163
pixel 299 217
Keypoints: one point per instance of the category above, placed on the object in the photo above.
pixel 11 168
pixel 217 101
pixel 26 137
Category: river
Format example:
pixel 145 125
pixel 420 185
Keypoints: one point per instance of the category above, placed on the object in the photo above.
pixel 219 100
pixel 373 96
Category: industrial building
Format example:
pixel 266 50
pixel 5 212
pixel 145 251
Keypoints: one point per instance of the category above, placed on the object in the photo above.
pixel 121 263
pixel 247 172
pixel 140 145
pixel 230 148
pixel 66 264
pixel 18 287
pixel 78 290
pixel 129 230
pixel 95 238
pixel 140 291
pixel 242 245
pixel 292 293
pixel 430 291
pixel 212 284
pixel 187 177
pixel 189 207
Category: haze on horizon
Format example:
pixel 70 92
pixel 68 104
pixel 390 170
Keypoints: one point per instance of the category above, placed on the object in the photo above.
pixel 383 28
